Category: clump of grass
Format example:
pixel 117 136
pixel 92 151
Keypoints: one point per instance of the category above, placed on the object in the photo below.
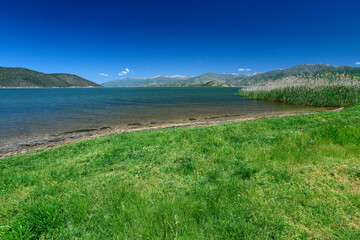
pixel 82 130
pixel 134 124
pixel 192 119
pixel 326 96
pixel 294 177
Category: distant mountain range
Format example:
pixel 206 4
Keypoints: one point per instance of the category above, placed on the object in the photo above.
pixel 22 77
pixel 240 79
pixel 231 79
pixel 26 78
pixel 140 82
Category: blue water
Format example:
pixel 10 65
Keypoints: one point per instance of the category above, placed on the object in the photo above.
pixel 34 112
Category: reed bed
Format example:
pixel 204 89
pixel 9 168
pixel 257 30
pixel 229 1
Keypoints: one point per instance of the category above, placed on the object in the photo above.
pixel 325 90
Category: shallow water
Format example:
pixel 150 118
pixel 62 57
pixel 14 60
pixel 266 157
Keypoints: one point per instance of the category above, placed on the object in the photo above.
pixel 29 113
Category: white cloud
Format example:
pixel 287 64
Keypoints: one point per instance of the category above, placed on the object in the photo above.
pixel 104 74
pixel 244 69
pixel 357 63
pixel 124 72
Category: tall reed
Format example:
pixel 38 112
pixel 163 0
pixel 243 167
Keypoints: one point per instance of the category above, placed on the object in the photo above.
pixel 322 89
pixel 326 96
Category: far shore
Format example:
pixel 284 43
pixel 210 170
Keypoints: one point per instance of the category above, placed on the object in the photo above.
pixel 147 86
pixel 47 143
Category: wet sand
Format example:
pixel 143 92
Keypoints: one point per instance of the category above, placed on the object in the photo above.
pixel 47 142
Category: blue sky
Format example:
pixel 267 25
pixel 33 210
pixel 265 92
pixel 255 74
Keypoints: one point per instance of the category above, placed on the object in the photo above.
pixel 148 38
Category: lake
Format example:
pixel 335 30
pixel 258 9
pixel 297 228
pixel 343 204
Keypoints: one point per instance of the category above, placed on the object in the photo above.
pixel 34 113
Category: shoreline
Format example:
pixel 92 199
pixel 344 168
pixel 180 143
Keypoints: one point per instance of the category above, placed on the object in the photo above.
pixel 48 143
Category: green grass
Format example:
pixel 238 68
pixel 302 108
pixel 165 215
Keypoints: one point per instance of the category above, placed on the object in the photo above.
pixel 294 177
pixel 326 96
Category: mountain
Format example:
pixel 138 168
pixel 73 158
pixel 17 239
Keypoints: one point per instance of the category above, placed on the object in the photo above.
pixel 22 77
pixel 141 82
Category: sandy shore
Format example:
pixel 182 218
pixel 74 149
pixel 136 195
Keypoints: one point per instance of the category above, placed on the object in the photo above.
pixel 49 142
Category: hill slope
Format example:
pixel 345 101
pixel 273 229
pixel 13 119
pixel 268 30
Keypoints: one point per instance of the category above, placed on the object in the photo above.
pixel 22 77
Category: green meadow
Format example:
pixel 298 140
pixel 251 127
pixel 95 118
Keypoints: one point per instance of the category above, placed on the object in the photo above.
pixel 293 177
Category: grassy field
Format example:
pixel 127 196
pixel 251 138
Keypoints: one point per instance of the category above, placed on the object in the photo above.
pixel 294 177
pixel 325 96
